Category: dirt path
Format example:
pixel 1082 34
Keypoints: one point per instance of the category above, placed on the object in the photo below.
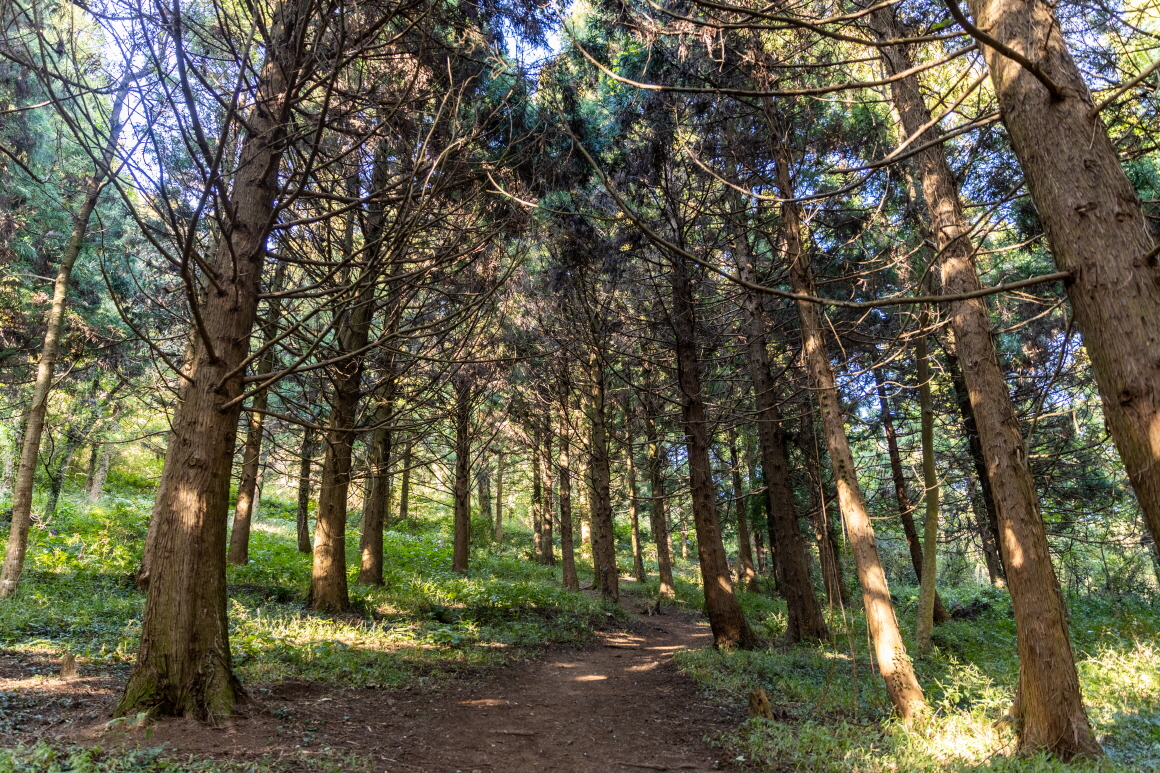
pixel 618 706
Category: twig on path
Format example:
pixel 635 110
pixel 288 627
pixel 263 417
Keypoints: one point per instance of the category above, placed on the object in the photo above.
pixel 640 765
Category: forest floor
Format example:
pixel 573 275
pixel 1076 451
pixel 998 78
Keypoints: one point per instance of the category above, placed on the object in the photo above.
pixel 618 705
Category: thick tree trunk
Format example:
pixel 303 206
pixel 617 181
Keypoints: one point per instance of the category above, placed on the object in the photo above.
pixel 905 507
pixel 634 514
pixel 46 367
pixel 1096 227
pixel 183 663
pixel 746 574
pixel 988 516
pixel 658 514
pixel 726 619
pixel 600 494
pixel 793 573
pixel 303 520
pixel 1049 705
pixel 567 546
pixel 461 548
pixel 893 662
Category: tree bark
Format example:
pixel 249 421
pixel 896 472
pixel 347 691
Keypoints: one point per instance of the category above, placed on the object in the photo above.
pixel 567 546
pixel 376 503
pixel 1048 704
pixel 905 506
pixel 746 575
pixel 183 663
pixel 806 621
pixel 461 548
pixel 405 484
pixel 303 521
pixel 726 619
pixel 893 662
pixel 658 515
pixel 634 514
pixel 252 451
pixel 600 494
pixel 825 528
pixel 547 542
pixel 926 592
pixel 96 485
pixel 537 499
pixel 499 459
pixel 22 489
pixel 1096 227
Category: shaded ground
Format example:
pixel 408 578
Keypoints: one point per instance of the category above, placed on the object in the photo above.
pixel 620 705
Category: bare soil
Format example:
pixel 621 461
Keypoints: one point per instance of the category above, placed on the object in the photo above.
pixel 620 705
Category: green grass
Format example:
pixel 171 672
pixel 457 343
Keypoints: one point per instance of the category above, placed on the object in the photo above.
pixel 45 758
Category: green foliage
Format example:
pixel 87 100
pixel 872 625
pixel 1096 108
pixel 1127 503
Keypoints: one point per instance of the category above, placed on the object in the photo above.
pixel 45 758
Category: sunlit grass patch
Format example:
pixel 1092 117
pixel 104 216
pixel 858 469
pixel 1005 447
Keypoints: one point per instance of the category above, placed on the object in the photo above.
pixel 46 758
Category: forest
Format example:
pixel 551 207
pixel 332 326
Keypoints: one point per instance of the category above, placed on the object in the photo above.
pixel 614 385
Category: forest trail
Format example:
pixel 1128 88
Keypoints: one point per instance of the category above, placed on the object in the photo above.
pixel 620 705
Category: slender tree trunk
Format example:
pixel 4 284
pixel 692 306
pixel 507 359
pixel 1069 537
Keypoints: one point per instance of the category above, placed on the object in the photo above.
pixel 926 592
pixel 905 507
pixel 825 527
pixel 101 474
pixel 603 546
pixel 303 521
pixel 376 502
pixel 989 519
pixel 567 546
pixel 793 573
pixel 405 485
pixel 658 515
pixel 893 662
pixel 634 515
pixel 547 542
pixel 746 576
pixel 252 451
pixel 759 551
pixel 499 459
pixel 461 549
pixel 1096 227
pixel 726 619
pixel 483 482
pixel 1048 704
pixel 537 499
pixel 183 663
pixel 46 367
pixel 328 583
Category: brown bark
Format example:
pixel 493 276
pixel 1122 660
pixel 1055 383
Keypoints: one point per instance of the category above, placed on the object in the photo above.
pixel 376 503
pixel 658 515
pixel 303 520
pixel 746 575
pixel 634 514
pixel 927 595
pixel 988 517
pixel 547 542
pixel 792 565
pixel 825 527
pixel 537 499
pixel 893 662
pixel 461 548
pixel 405 484
pixel 905 507
pixel 252 451
pixel 600 479
pixel 1048 705
pixel 567 546
pixel 183 662
pixel 17 545
pixel 499 459
pixel 1096 227
pixel 726 619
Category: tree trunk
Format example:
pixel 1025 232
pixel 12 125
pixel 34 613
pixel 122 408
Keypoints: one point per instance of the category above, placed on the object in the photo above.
pixel 726 619
pixel 499 496
pixel 988 518
pixel 96 485
pixel 746 575
pixel 376 504
pixel 1097 230
pixel 825 528
pixel 658 515
pixel 926 591
pixel 547 542
pixel 252 451
pixel 183 663
pixel 600 494
pixel 537 499
pixel 634 515
pixel 1048 704
pixel 461 549
pixel 46 367
pixel 405 485
pixel 905 507
pixel 793 573
pixel 303 522
pixel 893 663
pixel 567 547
